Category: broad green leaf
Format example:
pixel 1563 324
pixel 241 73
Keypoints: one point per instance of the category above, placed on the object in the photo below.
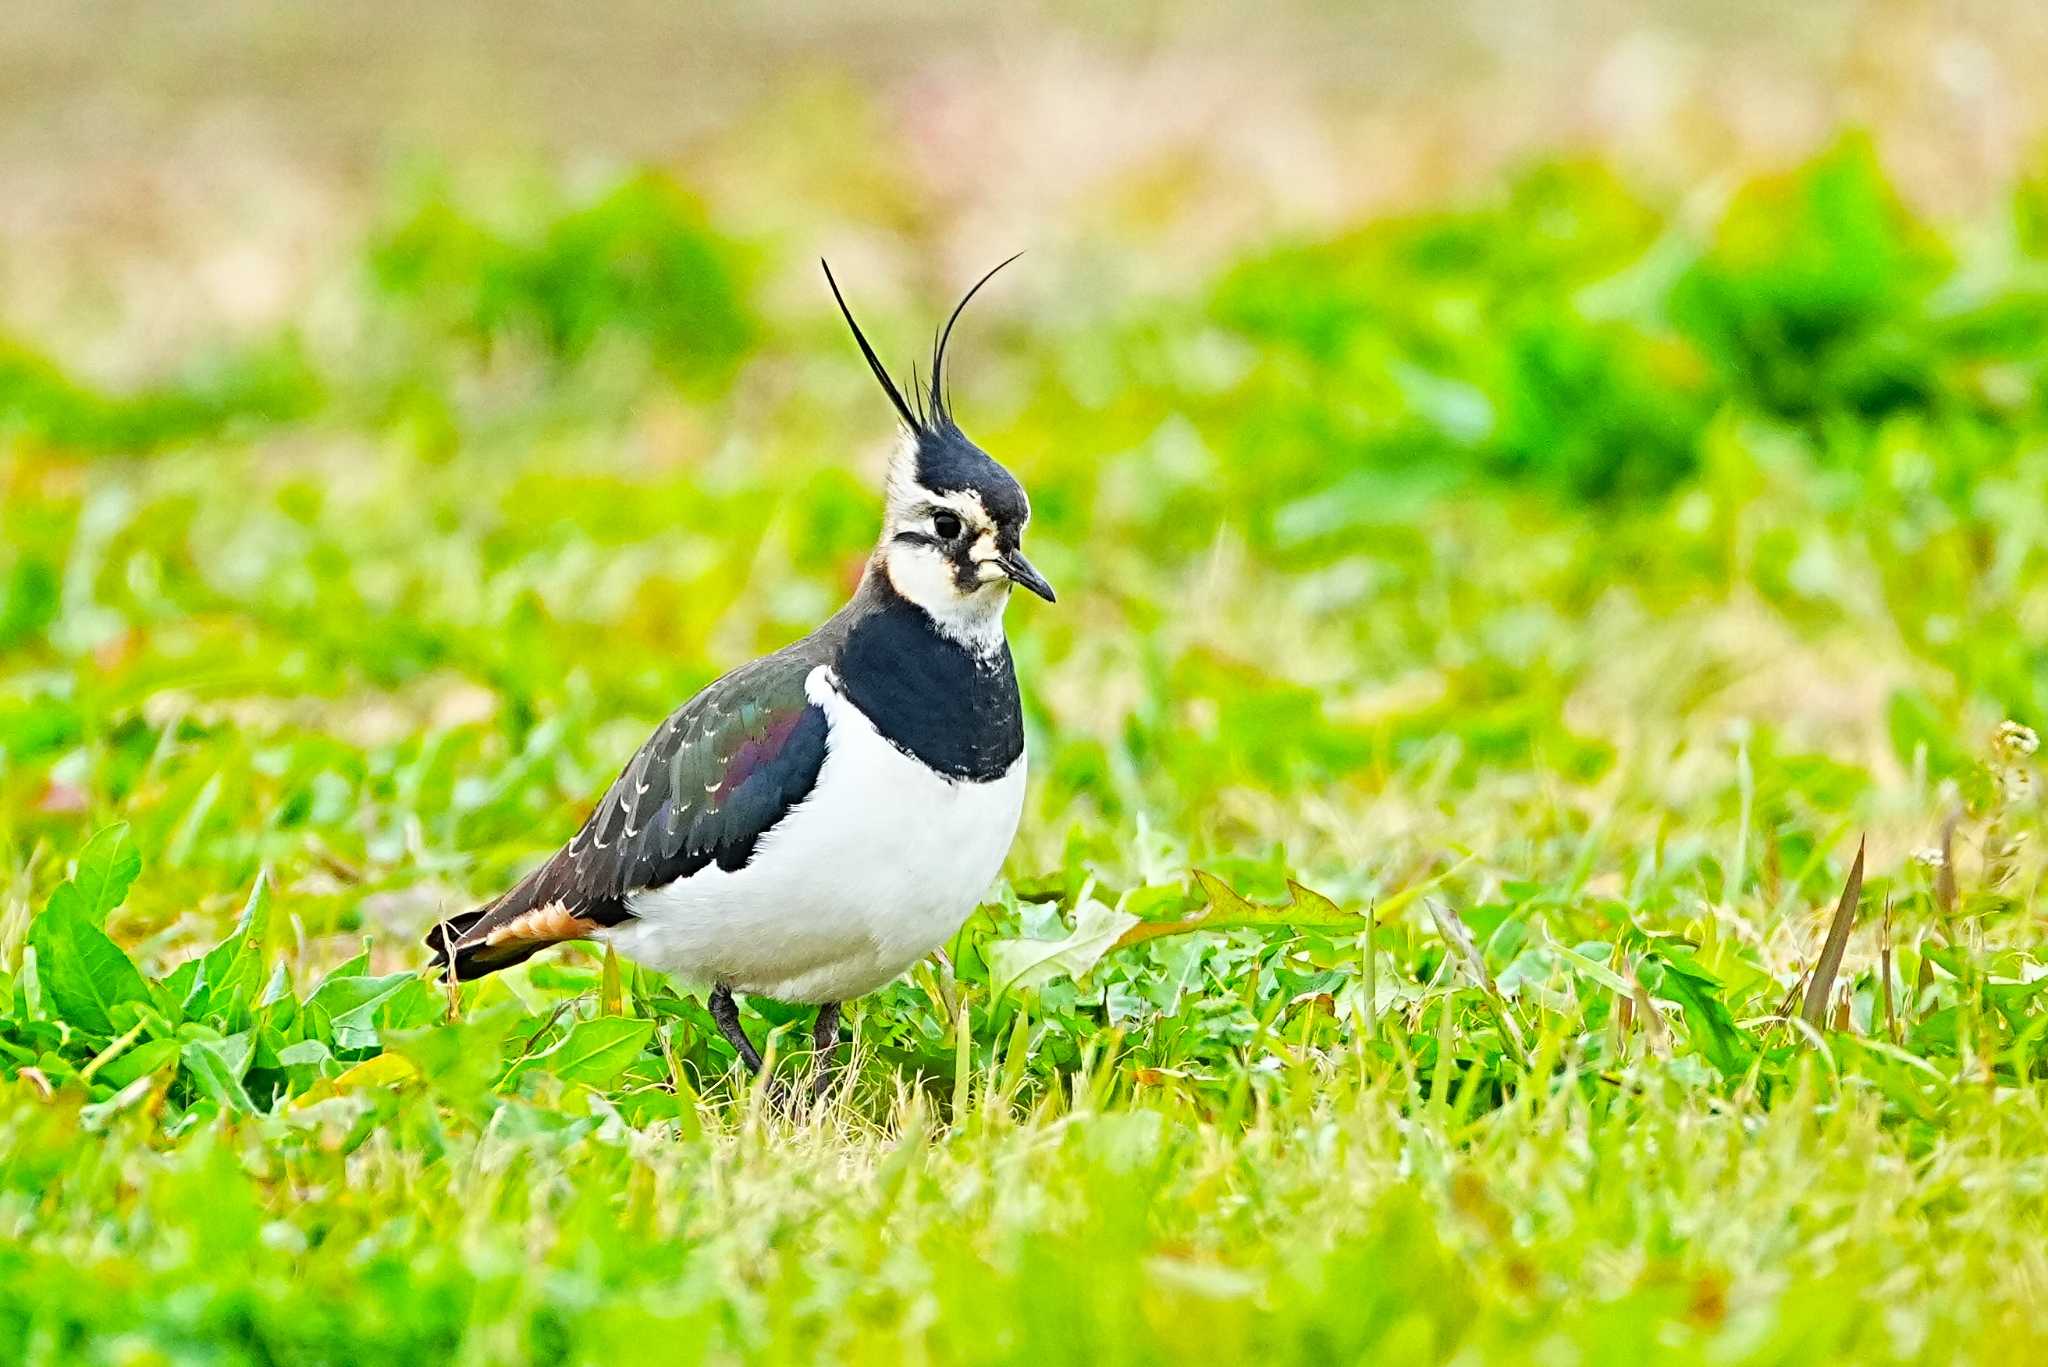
pixel 443 1050
pixel 1031 963
pixel 1712 1026
pixel 28 985
pixel 381 1071
pixel 216 1068
pixel 354 1006
pixel 278 992
pixel 357 967
pixel 112 1051
pixel 180 983
pixel 313 1023
pixel 344 998
pixel 1593 968
pixel 230 973
pixel 237 1051
pixel 107 868
pixel 1230 910
pixel 643 1106
pixel 465 1060
pixel 597 1050
pixel 145 1058
pixel 304 1053
pixel 84 974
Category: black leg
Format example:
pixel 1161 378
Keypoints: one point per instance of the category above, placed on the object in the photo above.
pixel 824 1044
pixel 825 1030
pixel 726 1012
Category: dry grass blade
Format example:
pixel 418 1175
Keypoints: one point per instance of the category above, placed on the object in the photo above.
pixel 1459 936
pixel 1945 873
pixel 1814 1012
pixel 611 994
pixel 1654 1030
pixel 1884 967
pixel 1370 977
pixel 1793 998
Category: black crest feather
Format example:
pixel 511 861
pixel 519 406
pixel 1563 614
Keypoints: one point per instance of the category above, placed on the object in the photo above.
pixel 910 419
pixel 929 407
pixel 939 404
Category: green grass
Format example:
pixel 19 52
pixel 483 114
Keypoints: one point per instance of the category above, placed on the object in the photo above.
pixel 1484 638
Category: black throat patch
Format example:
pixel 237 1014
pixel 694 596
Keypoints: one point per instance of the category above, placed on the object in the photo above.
pixel 930 696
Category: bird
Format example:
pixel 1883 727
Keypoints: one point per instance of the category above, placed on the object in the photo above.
pixel 816 821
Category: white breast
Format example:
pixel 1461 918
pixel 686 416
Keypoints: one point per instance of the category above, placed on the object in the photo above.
pixel 874 870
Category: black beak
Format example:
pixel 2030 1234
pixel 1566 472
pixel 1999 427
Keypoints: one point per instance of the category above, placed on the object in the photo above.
pixel 1019 569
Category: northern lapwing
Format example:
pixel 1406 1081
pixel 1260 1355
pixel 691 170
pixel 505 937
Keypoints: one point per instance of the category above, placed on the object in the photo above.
pixel 815 822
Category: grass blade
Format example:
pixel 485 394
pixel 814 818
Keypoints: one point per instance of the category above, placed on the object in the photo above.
pixel 1814 1011
pixel 1945 874
pixel 1884 968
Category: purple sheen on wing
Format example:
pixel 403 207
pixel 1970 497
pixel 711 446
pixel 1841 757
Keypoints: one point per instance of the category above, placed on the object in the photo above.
pixel 757 750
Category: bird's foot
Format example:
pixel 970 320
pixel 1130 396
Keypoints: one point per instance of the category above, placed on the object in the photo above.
pixel 824 1044
pixel 725 1013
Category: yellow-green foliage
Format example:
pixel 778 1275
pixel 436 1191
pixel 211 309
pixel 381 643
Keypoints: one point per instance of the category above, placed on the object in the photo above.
pixel 1553 588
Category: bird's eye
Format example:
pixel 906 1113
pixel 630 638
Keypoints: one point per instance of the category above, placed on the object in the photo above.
pixel 946 525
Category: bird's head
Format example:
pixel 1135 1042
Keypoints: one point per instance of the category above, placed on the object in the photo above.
pixel 953 525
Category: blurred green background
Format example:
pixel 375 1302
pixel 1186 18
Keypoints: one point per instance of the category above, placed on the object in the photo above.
pixel 1583 461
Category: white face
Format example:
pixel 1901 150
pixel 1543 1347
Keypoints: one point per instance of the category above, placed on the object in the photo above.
pixel 939 549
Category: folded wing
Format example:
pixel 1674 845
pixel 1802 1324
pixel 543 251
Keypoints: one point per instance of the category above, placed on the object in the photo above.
pixel 714 778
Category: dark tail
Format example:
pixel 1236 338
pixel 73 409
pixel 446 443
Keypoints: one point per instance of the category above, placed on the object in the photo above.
pixel 476 959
